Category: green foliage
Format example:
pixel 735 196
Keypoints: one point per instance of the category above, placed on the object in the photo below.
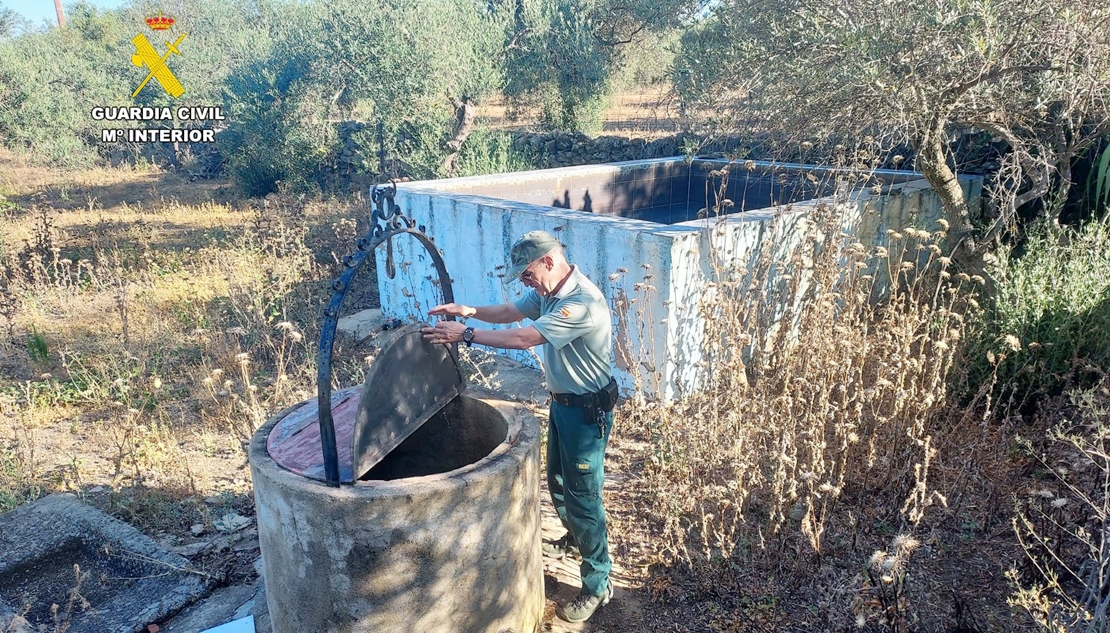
pixel 489 152
pixel 647 61
pixel 1098 183
pixel 1022 72
pixel 561 67
pixel 37 347
pixel 565 55
pixel 222 37
pixel 405 64
pixel 278 133
pixel 1047 328
pixel 49 81
pixel 286 71
pixel 10 22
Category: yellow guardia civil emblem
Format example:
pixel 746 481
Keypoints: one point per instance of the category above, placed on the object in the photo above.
pixel 145 55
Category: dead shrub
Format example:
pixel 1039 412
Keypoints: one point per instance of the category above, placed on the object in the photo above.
pixel 820 376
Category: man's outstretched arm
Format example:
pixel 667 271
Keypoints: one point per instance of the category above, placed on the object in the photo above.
pixel 504 313
pixel 513 338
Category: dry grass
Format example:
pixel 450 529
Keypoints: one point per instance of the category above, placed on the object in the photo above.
pixel 846 395
pixel 826 415
pixel 143 342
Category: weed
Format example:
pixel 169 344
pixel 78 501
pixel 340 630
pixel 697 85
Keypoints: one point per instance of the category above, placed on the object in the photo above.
pixel 810 388
pixel 488 152
pixel 73 600
pixel 19 481
pixel 10 303
pixel 37 348
pixel 883 597
pixel 16 485
pixel 1046 328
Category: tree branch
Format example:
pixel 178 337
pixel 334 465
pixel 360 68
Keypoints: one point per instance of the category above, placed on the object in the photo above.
pixel 514 43
pixel 619 41
pixel 958 91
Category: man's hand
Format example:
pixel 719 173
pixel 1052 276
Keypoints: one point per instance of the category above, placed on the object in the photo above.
pixel 445 331
pixel 452 309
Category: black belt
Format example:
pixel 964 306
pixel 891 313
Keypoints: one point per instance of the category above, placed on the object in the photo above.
pixel 594 405
pixel 577 399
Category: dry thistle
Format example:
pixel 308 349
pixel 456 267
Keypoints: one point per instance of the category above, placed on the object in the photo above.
pixel 876 560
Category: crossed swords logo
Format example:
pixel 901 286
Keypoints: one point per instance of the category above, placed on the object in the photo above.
pixel 146 55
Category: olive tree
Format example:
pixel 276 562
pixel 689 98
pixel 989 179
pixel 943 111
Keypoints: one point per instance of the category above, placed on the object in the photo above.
pixel 1034 74
pixel 424 66
pixel 420 68
pixel 10 22
pixel 562 55
pixel 50 78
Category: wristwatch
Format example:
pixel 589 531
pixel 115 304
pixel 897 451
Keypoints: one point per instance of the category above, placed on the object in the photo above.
pixel 468 336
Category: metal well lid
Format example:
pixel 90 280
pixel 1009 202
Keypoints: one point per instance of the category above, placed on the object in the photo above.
pixel 410 381
pixel 294 442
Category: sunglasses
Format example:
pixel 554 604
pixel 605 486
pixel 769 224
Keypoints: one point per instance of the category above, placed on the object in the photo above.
pixel 528 275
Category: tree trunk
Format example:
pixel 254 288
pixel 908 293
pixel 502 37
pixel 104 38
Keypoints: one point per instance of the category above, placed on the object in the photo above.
pixel 61 14
pixel 932 163
pixel 465 112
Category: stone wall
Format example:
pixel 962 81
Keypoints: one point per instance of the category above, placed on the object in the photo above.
pixel 568 149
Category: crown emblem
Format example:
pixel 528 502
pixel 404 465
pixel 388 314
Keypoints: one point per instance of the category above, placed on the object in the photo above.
pixel 159 23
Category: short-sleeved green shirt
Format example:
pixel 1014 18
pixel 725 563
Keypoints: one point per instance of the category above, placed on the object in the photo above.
pixel 578 356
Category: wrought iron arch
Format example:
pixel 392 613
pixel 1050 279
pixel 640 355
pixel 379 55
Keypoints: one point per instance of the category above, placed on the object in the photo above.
pixel 386 222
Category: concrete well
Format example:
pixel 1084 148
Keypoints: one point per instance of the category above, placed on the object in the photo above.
pixel 441 536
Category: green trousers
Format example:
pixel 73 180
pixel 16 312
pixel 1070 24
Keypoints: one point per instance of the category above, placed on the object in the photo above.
pixel 575 475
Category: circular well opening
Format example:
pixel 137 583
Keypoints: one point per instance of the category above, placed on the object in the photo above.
pixel 462 433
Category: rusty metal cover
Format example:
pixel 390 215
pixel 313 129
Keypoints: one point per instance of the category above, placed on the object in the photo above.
pixel 409 382
pixel 294 442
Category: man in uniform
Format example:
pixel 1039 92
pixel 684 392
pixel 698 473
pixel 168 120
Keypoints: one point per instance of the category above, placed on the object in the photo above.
pixel 571 319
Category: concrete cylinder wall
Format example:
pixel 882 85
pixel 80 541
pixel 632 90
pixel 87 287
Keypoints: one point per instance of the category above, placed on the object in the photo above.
pixel 453 552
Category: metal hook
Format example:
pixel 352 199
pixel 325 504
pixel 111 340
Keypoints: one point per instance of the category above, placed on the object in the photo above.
pixel 390 268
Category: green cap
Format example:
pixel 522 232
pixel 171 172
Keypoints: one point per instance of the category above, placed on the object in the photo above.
pixel 534 245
